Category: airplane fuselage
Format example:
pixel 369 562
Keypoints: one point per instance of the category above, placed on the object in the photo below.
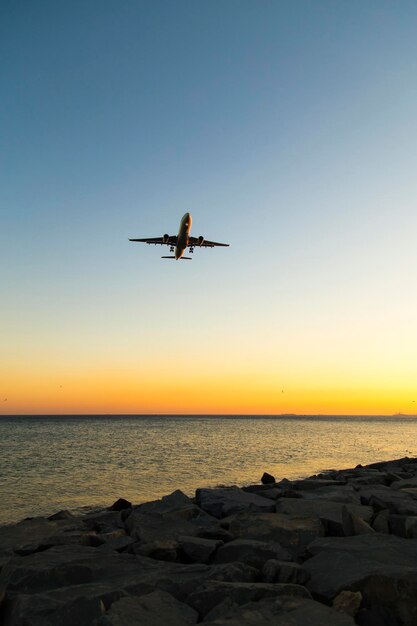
pixel 183 235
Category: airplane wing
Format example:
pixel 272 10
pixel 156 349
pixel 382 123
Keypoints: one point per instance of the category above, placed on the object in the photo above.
pixel 169 241
pixel 195 242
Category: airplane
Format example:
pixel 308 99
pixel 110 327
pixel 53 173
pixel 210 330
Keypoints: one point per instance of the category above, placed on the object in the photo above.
pixel 182 241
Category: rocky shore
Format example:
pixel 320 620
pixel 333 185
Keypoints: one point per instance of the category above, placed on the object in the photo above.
pixel 334 549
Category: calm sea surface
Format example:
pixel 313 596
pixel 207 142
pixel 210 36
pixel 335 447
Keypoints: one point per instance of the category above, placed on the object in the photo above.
pixel 51 463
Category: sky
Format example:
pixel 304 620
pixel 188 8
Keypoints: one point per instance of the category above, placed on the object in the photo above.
pixel 287 128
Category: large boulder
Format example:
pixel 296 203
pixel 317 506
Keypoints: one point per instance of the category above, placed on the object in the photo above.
pixel 228 500
pixel 293 533
pixel 382 567
pixel 153 609
pixel 330 513
pixel 341 493
pixel 213 593
pixel 251 552
pixel 279 611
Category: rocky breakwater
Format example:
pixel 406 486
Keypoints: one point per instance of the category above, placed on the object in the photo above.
pixel 333 549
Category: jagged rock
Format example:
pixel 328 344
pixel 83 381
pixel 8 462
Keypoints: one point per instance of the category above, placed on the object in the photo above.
pixel 104 521
pixel 198 550
pixel 330 513
pixel 161 550
pixel 65 538
pixel 226 501
pixel 382 567
pixel 275 571
pixel 44 610
pixel 293 533
pixel 404 482
pixel 344 493
pixel 395 500
pixel 381 522
pixel 251 552
pixel 281 611
pixel 120 505
pixel 267 479
pixel 307 484
pixel 216 532
pixel 118 543
pixel 348 602
pixel 153 609
pixel 33 532
pixel 212 593
pixel 403 525
pixel 354 525
pixel 60 515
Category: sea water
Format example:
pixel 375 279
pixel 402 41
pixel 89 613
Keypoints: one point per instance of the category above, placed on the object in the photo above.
pixel 48 463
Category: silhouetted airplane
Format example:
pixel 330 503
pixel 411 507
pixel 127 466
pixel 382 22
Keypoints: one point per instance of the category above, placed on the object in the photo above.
pixel 182 241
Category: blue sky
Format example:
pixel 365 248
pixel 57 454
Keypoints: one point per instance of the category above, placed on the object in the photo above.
pixel 287 128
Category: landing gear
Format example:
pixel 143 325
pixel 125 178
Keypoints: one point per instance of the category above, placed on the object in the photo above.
pixel 191 250
pixel 171 248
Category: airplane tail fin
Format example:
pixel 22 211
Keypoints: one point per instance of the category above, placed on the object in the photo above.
pixel 187 258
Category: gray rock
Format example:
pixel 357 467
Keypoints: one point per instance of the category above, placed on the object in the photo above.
pixel 275 571
pixel 44 610
pixel 330 513
pixel 161 550
pixel 293 533
pixel 405 482
pixel 308 484
pixel 267 479
pixel 153 609
pixel 198 550
pixel 395 500
pixel 343 493
pixel 119 543
pixel 281 611
pixel 382 567
pixel 33 532
pixel 381 522
pixel 251 552
pixel 226 501
pixel 354 525
pixel 212 593
pixel 103 521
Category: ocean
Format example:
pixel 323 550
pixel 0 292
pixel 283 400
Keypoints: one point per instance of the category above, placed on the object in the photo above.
pixel 48 463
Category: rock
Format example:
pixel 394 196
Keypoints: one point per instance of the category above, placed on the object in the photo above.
pixel 293 533
pixel 120 505
pixel 404 482
pixel 353 524
pixel 161 550
pixel 118 543
pixel 395 500
pixel 104 521
pixel 152 527
pixel 348 602
pixel 376 616
pixel 226 501
pixel 198 550
pixel 308 484
pixel 153 609
pixel 251 552
pixel 63 539
pixel 212 593
pixel 60 515
pixel 39 610
pixel 382 567
pixel 34 532
pixel 280 611
pixel 275 571
pixel 330 513
pixel 345 494
pixel 267 479
pixel 381 522
pixel 403 526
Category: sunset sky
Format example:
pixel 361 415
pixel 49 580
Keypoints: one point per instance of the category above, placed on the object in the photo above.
pixel 287 128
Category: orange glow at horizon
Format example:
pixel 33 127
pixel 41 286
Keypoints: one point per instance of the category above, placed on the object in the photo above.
pixel 175 392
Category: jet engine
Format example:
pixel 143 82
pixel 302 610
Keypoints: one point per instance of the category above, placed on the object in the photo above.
pixel 165 238
pixel 200 240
